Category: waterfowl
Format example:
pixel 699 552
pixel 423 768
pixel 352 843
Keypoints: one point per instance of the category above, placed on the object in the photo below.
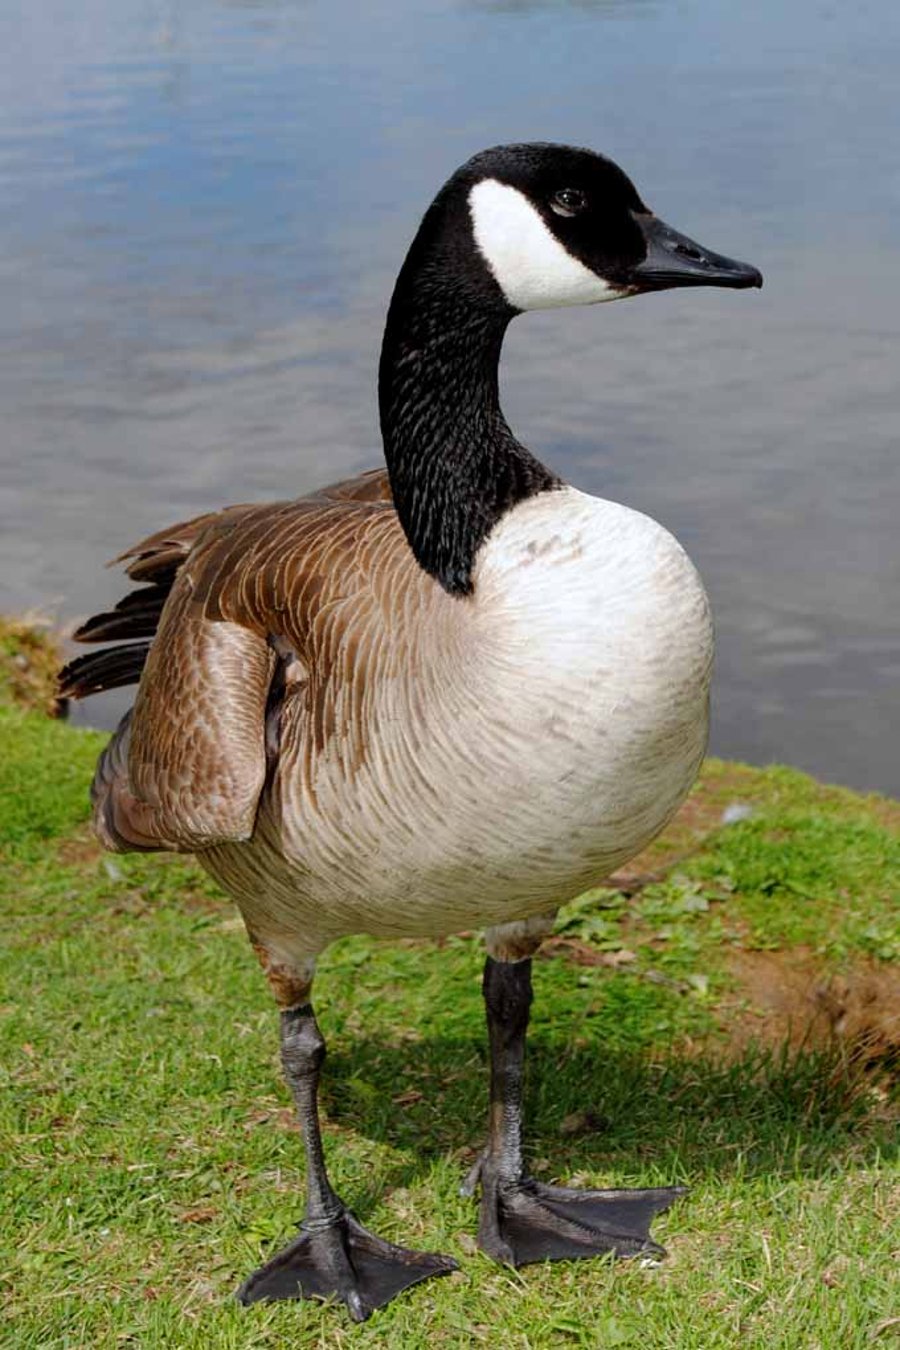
pixel 448 694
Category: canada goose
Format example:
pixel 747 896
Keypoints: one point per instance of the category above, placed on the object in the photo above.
pixel 448 695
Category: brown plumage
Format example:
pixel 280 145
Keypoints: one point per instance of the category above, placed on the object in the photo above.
pixel 229 591
pixel 448 702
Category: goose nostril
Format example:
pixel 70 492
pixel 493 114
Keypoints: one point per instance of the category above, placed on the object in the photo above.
pixel 688 251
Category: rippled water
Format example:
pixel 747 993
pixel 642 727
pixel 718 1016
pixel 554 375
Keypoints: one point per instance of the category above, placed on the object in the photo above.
pixel 204 205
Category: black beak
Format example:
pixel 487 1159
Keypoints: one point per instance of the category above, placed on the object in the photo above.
pixel 674 260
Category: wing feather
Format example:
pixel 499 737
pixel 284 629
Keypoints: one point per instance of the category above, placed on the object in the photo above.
pixel 225 591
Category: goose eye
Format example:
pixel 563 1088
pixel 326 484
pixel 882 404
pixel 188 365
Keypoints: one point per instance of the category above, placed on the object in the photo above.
pixel 568 201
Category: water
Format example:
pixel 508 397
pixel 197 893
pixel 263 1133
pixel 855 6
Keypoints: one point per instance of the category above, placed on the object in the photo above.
pixel 203 208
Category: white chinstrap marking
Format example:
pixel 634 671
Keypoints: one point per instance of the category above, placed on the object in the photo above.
pixel 527 261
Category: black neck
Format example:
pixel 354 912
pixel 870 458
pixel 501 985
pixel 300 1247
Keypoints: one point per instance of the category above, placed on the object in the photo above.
pixel 455 466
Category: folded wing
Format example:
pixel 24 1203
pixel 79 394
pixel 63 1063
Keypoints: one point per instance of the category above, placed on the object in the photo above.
pixel 225 596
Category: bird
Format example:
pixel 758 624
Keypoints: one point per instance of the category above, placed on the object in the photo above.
pixel 449 693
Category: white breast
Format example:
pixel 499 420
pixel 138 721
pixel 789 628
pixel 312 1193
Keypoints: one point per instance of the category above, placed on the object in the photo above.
pixel 598 638
pixel 594 592
pixel 563 733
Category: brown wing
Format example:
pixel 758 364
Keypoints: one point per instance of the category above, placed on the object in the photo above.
pixel 197 753
pixel 156 560
pixel 160 555
pixel 186 771
pixel 371 486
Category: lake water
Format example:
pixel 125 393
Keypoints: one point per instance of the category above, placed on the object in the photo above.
pixel 202 208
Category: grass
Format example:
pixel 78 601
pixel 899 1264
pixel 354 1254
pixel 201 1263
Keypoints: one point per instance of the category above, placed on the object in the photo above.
pixel 725 1014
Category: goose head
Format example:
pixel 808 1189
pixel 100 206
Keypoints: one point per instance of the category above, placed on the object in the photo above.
pixel 518 227
pixel 554 225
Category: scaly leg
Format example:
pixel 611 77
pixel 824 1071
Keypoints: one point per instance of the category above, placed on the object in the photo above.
pixel 334 1255
pixel 521 1219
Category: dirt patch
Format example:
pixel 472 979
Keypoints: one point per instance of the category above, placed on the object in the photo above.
pixel 80 850
pixel 886 812
pixel 789 997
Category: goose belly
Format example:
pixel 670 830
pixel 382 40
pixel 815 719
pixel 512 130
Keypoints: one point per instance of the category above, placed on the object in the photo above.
pixel 558 744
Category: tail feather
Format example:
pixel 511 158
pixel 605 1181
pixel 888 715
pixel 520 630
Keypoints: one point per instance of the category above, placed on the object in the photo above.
pixel 159 557
pixel 156 561
pixel 159 567
pixel 97 671
pixel 136 616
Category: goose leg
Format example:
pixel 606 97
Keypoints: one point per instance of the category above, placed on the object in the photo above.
pixel 334 1256
pixel 521 1219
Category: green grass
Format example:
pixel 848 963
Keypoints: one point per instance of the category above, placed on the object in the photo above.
pixel 150 1159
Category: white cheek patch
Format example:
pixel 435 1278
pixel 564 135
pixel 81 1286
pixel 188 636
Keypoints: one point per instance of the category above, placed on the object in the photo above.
pixel 528 262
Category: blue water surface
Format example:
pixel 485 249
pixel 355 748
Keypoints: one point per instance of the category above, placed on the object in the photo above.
pixel 202 209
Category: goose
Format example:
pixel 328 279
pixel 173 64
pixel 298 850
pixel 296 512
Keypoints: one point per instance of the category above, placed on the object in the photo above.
pixel 448 694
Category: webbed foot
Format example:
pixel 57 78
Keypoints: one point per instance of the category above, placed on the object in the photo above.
pixel 525 1221
pixel 342 1259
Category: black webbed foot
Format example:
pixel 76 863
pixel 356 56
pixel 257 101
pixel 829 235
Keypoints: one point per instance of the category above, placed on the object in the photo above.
pixel 343 1260
pixel 525 1221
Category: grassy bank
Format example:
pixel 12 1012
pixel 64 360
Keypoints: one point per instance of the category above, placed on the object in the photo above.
pixel 726 1013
